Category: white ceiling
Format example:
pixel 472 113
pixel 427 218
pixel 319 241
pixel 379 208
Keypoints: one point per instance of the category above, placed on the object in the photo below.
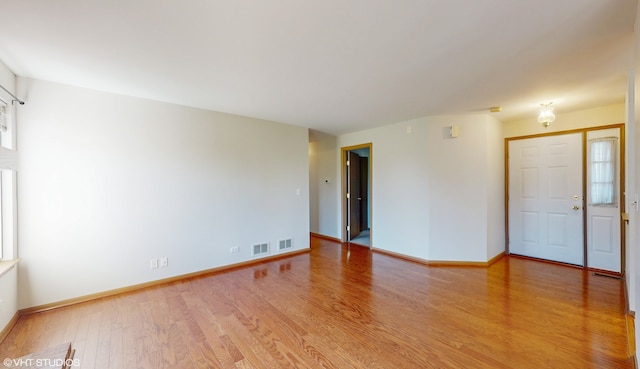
pixel 333 65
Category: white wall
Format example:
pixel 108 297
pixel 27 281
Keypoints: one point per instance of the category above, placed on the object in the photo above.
pixel 108 182
pixel 435 197
pixel 323 181
pixel 633 161
pixel 633 241
pixel 495 190
pixel 466 189
pixel 398 197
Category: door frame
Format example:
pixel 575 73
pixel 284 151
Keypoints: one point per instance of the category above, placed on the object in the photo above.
pixel 621 185
pixel 343 189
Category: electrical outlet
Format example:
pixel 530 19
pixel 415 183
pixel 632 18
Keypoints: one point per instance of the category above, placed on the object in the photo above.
pixel 164 262
pixel 154 263
pixel 233 250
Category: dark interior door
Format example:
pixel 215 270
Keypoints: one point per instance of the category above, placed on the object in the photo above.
pixel 364 193
pixel 355 200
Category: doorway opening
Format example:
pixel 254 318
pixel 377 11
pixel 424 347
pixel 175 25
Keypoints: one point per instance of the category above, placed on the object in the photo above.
pixel 356 189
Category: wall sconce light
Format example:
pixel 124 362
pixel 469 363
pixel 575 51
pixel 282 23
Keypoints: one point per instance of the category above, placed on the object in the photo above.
pixel 546 114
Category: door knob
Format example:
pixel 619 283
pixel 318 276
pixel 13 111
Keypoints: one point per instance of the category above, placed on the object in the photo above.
pixel 575 207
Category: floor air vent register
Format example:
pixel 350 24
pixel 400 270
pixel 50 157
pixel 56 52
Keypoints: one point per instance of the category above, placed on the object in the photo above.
pixel 260 249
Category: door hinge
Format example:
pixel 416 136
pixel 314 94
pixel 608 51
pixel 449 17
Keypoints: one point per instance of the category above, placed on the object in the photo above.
pixel 348 228
pixel 348 163
pixel 348 197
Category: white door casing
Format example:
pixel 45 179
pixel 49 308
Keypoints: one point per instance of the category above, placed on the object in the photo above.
pixel 545 208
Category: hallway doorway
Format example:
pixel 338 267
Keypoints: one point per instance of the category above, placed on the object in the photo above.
pixel 356 190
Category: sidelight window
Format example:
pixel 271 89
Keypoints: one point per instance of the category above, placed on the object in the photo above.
pixel 602 161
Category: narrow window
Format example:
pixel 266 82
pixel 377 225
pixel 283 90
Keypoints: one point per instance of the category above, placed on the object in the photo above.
pixel 603 171
pixel 8 163
pixel 6 124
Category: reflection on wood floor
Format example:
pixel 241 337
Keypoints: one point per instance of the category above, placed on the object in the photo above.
pixel 323 309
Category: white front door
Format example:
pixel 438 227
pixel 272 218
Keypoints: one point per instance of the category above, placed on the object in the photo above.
pixel 546 199
pixel 603 199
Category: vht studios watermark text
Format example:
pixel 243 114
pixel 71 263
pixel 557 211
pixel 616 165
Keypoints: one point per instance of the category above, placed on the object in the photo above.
pixel 40 363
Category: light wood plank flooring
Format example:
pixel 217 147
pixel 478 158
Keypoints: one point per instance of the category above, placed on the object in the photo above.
pixel 332 308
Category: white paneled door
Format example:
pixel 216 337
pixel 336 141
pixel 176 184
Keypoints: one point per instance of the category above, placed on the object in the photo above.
pixel 546 199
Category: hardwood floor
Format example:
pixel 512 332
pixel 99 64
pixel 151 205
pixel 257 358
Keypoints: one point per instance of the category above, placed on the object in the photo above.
pixel 334 309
